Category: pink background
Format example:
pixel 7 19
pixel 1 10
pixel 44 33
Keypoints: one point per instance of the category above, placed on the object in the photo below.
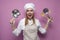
pixel 6 6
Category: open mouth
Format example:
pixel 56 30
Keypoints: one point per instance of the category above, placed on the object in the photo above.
pixel 29 15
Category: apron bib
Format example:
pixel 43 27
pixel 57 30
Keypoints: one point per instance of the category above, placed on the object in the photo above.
pixel 30 32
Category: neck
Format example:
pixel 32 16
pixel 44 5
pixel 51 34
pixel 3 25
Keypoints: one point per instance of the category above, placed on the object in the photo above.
pixel 30 19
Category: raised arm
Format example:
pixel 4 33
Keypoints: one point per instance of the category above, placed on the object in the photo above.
pixel 43 30
pixel 40 28
pixel 16 31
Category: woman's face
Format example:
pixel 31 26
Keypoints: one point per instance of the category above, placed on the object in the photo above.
pixel 29 13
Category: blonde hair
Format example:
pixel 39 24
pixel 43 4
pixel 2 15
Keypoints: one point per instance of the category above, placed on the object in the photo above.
pixel 26 20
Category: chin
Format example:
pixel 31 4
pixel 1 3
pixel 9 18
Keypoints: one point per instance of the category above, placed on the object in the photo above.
pixel 29 17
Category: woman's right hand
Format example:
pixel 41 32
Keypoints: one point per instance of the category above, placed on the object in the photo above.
pixel 12 22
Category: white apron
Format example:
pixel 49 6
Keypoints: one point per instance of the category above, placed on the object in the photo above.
pixel 30 32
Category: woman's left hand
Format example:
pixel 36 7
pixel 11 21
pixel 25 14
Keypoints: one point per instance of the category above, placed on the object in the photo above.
pixel 49 20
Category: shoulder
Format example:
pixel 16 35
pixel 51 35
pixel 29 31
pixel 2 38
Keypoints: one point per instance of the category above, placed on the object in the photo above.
pixel 22 20
pixel 36 20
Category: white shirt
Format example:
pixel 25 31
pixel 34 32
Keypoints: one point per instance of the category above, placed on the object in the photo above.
pixel 21 26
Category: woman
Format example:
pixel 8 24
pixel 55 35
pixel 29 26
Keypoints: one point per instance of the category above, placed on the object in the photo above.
pixel 29 24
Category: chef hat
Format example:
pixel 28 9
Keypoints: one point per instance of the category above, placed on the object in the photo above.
pixel 29 5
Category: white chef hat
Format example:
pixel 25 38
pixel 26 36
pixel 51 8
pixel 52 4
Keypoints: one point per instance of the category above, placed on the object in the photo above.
pixel 29 5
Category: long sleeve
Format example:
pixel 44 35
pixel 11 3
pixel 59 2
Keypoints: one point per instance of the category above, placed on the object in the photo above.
pixel 40 28
pixel 17 31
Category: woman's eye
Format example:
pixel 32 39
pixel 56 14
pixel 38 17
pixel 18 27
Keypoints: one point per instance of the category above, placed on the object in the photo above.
pixel 27 10
pixel 31 10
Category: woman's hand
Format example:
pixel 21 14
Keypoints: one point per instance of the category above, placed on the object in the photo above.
pixel 46 26
pixel 12 22
pixel 49 20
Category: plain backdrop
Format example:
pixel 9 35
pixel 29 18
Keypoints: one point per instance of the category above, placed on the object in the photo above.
pixel 6 7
